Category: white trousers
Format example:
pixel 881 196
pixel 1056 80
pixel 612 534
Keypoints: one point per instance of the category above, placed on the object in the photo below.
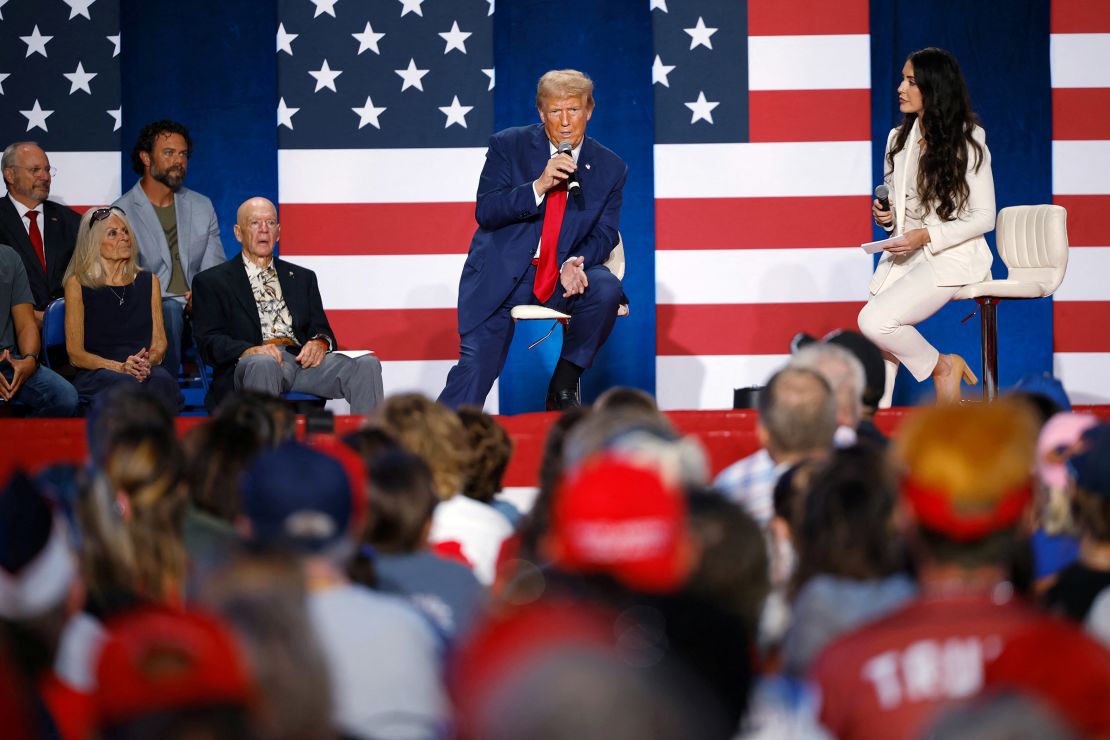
pixel 908 296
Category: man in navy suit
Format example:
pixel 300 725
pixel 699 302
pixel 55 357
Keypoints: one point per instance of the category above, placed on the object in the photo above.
pixel 534 244
pixel 260 322
pixel 44 240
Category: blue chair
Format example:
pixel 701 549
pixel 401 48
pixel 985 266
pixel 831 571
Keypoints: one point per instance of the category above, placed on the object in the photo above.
pixel 53 328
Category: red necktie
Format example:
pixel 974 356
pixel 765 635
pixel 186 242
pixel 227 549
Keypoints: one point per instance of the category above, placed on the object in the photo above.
pixel 36 237
pixel 547 273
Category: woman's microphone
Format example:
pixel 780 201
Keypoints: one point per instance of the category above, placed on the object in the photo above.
pixel 882 194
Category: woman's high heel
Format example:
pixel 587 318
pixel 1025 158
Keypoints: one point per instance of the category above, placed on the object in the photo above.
pixel 948 385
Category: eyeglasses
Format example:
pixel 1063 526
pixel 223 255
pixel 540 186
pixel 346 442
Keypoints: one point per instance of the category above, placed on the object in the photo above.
pixel 37 171
pixel 102 213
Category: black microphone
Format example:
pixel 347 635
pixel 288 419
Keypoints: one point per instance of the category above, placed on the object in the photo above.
pixel 882 194
pixel 573 186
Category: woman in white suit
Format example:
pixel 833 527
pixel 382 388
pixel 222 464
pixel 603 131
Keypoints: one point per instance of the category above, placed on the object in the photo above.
pixel 938 170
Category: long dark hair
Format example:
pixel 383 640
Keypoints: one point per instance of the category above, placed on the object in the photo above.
pixel 947 121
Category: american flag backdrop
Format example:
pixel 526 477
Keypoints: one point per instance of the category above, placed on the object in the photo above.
pixel 763 168
pixel 60 86
pixel 385 110
pixel 1080 48
pixel 762 175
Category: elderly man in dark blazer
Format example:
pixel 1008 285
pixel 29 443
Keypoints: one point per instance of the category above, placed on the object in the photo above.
pixel 45 240
pixel 259 321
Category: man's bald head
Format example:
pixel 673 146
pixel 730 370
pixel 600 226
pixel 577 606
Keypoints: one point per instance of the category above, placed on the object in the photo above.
pixel 797 410
pixel 257 229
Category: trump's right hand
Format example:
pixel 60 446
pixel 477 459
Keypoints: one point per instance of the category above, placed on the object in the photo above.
pixel 558 169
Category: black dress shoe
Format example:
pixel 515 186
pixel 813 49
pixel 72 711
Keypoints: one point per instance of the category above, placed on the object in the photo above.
pixel 564 399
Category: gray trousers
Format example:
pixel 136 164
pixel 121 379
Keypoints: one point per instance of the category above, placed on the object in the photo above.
pixel 338 376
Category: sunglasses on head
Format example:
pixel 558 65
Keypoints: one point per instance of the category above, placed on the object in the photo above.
pixel 102 213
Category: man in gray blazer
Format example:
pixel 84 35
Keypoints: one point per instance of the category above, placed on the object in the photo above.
pixel 176 228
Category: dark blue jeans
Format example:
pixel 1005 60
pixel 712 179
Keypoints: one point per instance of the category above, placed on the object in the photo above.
pixel 46 393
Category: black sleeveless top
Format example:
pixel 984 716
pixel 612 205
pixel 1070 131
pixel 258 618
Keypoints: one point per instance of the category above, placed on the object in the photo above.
pixel 115 329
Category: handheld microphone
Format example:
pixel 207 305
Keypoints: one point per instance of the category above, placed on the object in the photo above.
pixel 574 187
pixel 882 194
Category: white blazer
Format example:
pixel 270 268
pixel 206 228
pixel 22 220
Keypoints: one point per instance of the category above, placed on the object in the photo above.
pixel 956 251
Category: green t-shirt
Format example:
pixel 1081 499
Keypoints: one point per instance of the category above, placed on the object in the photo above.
pixel 167 217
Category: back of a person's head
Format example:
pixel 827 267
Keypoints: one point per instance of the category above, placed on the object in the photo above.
pixel 637 433
pixel 217 453
pixel 621 397
pixel 490 447
pixel 124 409
pixel 263 597
pixel 797 411
pixel 370 441
pixel 106 553
pixel 1090 469
pixel 268 418
pixel 538 519
pixel 432 431
pixel 966 477
pixel 733 567
pixel 999 716
pixel 847 526
pixel 844 374
pixel 148 473
pixel 402 499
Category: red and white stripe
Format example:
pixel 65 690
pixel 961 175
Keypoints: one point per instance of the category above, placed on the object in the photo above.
pixel 1080 52
pixel 386 232
pixel 85 179
pixel 757 241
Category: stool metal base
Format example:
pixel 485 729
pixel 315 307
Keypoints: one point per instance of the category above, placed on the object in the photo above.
pixel 988 322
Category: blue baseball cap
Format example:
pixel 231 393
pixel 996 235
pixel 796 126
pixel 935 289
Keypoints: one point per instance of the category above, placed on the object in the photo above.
pixel 1090 468
pixel 298 498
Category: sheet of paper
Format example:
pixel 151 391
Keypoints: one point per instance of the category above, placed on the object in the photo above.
pixel 875 247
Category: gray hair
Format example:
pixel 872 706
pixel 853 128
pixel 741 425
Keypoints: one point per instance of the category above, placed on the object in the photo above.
pixel 639 435
pixel 8 160
pixel 843 371
pixel 798 411
pixel 85 263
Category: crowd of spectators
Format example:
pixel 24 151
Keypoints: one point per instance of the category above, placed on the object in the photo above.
pixel 241 583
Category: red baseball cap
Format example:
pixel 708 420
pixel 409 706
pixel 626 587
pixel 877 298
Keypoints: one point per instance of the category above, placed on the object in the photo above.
pixel 157 659
pixel 613 516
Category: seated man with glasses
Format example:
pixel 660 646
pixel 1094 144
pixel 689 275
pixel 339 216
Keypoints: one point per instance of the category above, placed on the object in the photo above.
pixel 40 231
pixel 259 321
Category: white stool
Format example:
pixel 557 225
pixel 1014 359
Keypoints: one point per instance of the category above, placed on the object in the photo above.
pixel 531 312
pixel 1033 244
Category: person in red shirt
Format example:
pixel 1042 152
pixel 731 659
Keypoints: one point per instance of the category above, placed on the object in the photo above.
pixel 965 487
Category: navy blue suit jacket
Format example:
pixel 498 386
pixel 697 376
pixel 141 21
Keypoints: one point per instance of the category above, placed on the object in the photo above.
pixel 60 235
pixel 509 222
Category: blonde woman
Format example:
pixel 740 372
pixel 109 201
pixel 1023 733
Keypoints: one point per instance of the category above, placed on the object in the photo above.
pixel 114 330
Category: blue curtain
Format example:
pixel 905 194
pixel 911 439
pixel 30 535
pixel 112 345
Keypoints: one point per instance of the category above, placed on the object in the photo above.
pixel 208 64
